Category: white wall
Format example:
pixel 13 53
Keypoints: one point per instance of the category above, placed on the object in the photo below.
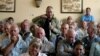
pixel 25 9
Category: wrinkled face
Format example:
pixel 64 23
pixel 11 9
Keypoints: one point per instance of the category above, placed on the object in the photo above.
pixel 7 28
pixel 84 24
pixel 79 50
pixel 90 32
pixel 14 31
pixel 40 33
pixel 71 37
pixel 64 28
pixel 34 49
pixel 25 26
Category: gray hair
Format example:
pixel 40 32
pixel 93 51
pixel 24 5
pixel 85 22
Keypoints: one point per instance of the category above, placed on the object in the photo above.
pixel 37 42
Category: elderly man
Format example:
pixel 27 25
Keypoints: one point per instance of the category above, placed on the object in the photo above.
pixel 14 45
pixel 62 35
pixel 88 40
pixel 65 47
pixel 25 32
pixel 6 33
pixel 64 29
pixel 82 31
pixel 34 48
pixel 47 47
pixel 48 22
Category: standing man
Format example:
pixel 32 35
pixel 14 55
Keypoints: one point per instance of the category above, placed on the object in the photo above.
pixel 48 22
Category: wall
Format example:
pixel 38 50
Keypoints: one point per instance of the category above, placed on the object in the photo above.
pixel 25 9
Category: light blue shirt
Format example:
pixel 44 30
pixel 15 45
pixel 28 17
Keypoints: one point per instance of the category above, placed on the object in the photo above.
pixel 95 49
pixel 81 33
pixel 88 18
pixel 18 49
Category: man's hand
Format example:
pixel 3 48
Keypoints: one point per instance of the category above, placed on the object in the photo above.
pixel 51 27
pixel 14 39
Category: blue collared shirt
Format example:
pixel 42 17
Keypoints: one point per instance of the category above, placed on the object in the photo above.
pixel 18 48
pixel 88 18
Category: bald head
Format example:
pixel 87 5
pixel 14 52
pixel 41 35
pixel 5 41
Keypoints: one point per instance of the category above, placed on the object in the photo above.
pixel 14 30
pixel 40 32
pixel 71 34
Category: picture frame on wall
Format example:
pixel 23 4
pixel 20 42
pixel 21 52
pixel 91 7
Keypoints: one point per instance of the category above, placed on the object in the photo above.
pixel 71 6
pixel 7 5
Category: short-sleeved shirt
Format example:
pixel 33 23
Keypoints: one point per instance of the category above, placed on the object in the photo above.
pixel 89 18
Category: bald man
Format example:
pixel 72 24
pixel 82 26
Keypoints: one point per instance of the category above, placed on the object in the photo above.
pixel 14 45
pixel 47 46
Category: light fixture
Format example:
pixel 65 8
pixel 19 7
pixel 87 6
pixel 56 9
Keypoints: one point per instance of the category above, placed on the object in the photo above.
pixel 38 3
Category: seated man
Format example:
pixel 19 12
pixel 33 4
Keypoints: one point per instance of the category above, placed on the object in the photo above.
pixel 79 49
pixel 34 48
pixel 65 47
pixel 25 32
pixel 6 33
pixel 49 23
pixel 33 29
pixel 82 31
pixel 88 40
pixel 87 17
pixel 47 46
pixel 14 45
pixel 62 36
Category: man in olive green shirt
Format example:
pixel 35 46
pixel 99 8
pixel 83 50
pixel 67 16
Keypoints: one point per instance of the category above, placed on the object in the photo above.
pixel 48 22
